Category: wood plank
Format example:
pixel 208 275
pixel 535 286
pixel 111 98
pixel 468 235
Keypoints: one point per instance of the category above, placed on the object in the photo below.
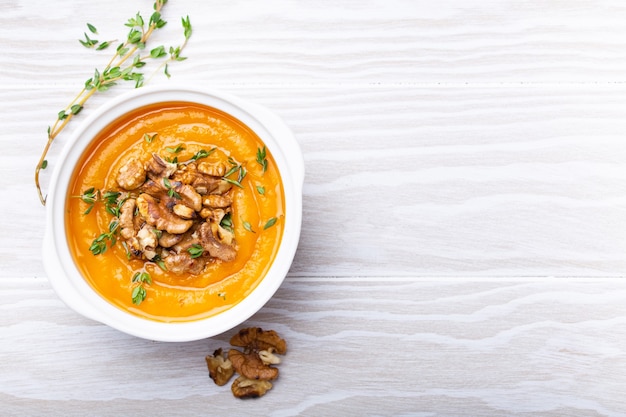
pixel 279 42
pixel 356 347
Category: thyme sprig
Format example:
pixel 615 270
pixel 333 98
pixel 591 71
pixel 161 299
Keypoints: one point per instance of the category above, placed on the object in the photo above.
pixel 171 189
pixel 235 168
pixel 112 200
pixel 261 158
pixel 202 153
pixel 139 292
pixel 195 251
pixel 99 244
pixel 125 65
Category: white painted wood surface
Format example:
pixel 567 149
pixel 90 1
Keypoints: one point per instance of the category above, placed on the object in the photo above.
pixel 464 238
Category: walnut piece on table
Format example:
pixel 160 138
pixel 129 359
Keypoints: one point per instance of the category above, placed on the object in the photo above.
pixel 253 364
pixel 249 388
pixel 220 367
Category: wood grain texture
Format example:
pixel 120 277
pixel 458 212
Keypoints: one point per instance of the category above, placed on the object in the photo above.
pixel 348 41
pixel 385 346
pixel 463 242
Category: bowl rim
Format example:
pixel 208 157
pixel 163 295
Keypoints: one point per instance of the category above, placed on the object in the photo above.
pixel 74 290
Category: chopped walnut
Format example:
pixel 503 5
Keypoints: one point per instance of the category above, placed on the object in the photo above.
pixel 174 206
pixel 183 211
pixel 248 388
pixel 127 224
pixel 253 365
pixel 214 169
pixel 268 357
pixel 220 367
pixel 216 201
pixel 158 215
pixel 157 167
pixel 131 175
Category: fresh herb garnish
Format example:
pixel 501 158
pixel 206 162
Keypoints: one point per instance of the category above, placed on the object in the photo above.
pixel 227 222
pixel 260 190
pixel 195 251
pixel 177 149
pixel 112 202
pixel 99 244
pixel 111 199
pixel 125 65
pixel 90 196
pixel 202 153
pixel 241 174
pixel 171 190
pixel 139 292
pixel 149 138
pixel 160 263
pixel 271 222
pixel 261 158
pixel 247 226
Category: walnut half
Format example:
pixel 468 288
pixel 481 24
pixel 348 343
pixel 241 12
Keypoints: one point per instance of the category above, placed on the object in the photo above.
pixel 255 338
pixel 251 366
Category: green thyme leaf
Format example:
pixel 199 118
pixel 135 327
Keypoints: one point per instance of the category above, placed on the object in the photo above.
pixel 158 52
pixel 177 149
pixel 88 42
pixel 233 182
pixel 138 295
pixel 187 27
pixel 139 292
pixel 134 36
pixel 103 45
pixel 247 226
pixel 92 28
pixel 202 153
pixel 149 138
pixel 142 277
pixel 231 171
pixel 227 222
pixel 44 164
pixel 99 244
pixel 90 196
pixel 260 190
pixel 195 251
pixel 261 158
pixel 242 174
pixel 271 222
pixel 171 191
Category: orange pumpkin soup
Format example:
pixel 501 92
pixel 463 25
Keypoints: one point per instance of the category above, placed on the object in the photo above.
pixel 175 212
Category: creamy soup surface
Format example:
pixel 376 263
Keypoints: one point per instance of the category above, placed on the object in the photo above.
pixel 176 212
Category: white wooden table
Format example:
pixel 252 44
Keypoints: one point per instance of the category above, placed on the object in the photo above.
pixel 463 248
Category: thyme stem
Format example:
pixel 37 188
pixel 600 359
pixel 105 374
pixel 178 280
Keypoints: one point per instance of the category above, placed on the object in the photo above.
pixel 117 69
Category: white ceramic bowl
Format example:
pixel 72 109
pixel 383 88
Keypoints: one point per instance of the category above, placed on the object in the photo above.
pixel 65 277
